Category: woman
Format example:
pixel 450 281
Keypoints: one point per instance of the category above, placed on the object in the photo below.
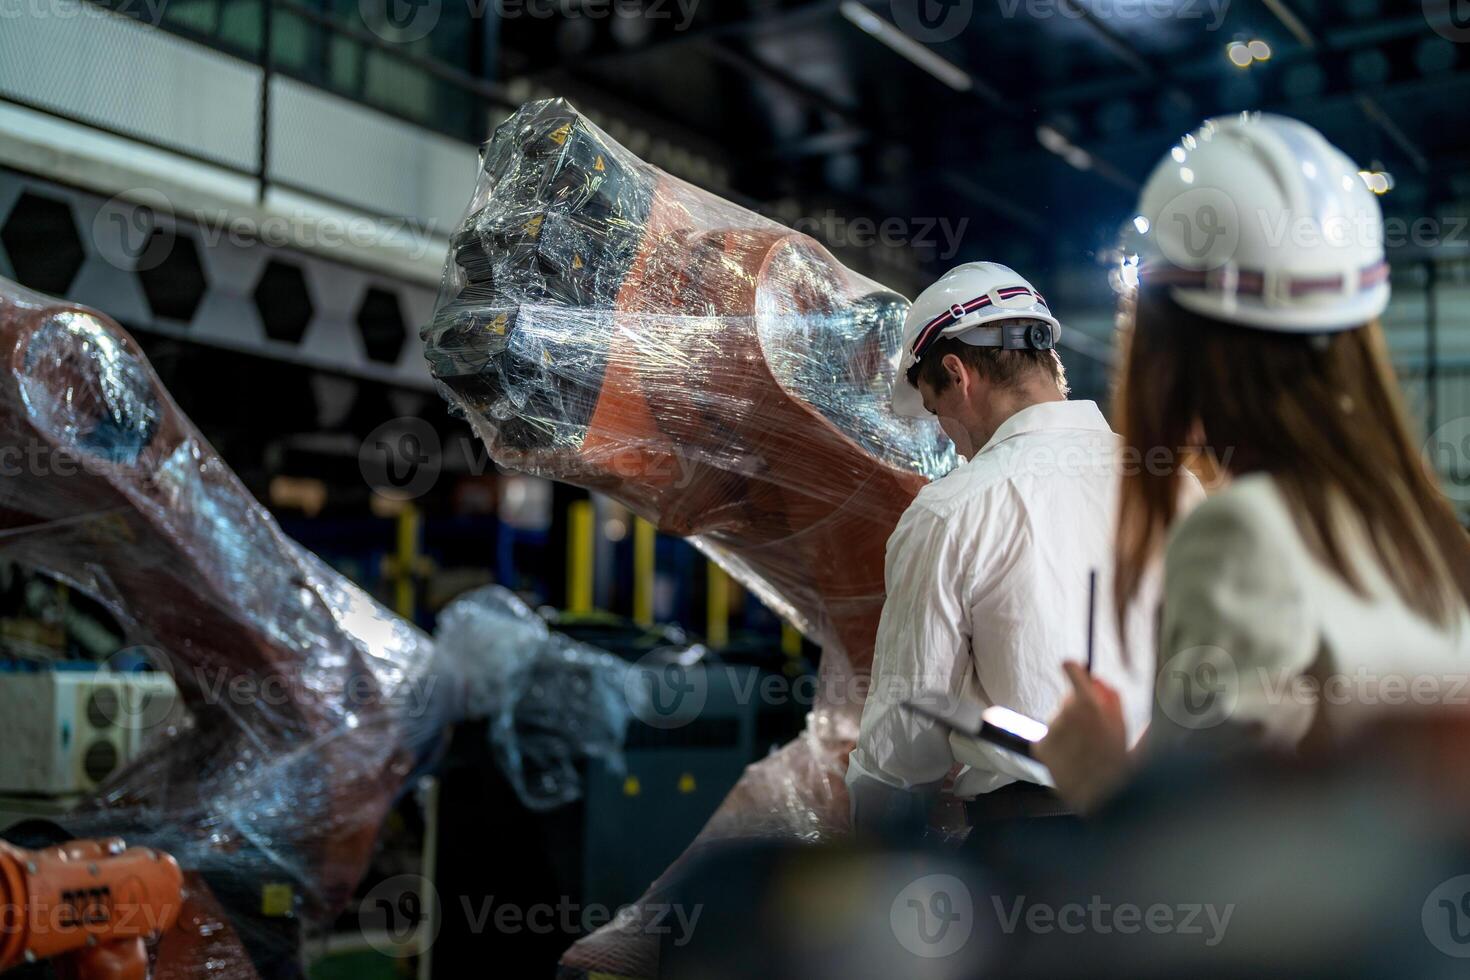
pixel 1330 581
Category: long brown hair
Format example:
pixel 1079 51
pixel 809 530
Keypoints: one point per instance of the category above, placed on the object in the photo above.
pixel 1321 414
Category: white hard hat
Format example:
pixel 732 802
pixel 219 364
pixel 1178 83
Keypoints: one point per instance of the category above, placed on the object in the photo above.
pixel 1256 219
pixel 968 302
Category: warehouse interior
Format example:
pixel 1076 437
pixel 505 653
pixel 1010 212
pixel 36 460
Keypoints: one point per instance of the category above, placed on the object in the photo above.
pixel 381 671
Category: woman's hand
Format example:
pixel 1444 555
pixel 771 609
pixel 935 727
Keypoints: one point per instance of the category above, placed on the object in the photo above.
pixel 1086 746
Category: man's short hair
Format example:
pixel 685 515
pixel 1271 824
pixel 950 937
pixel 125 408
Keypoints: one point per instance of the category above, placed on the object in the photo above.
pixel 1003 368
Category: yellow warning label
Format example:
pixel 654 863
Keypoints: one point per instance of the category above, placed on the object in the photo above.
pixel 498 325
pixel 275 899
pixel 576 261
pixel 599 165
pixel 559 136
pixel 533 227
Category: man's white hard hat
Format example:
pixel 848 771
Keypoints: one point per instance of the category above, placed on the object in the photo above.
pixel 972 302
pixel 1257 220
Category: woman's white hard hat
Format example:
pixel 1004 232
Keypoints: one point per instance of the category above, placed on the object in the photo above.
pixel 1258 220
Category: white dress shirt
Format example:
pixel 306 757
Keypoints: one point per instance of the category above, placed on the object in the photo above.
pixel 987 596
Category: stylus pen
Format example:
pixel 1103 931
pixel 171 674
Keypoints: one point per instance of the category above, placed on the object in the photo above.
pixel 1091 613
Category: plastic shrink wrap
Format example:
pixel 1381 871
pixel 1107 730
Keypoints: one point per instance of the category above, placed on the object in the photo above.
pixel 552 702
pixel 606 324
pixel 307 702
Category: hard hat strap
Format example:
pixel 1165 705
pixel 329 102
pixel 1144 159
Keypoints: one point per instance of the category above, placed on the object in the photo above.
pixel 956 313
pixel 1278 286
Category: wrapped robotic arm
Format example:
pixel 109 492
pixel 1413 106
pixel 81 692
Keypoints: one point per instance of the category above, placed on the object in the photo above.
pixel 308 699
pixel 606 324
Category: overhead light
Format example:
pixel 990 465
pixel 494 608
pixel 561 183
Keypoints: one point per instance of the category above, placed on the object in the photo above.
pixel 1052 140
pixel 1243 54
pixel 897 41
pixel 1380 182
pixel 1078 158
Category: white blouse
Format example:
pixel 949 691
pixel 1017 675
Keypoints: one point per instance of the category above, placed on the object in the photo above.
pixel 1256 630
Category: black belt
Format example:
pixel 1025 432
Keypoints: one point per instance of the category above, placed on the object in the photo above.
pixel 1017 801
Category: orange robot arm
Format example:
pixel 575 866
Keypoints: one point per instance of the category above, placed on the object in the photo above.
pixel 93 904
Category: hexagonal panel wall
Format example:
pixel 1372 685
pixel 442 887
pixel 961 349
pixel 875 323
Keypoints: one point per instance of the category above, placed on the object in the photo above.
pixel 40 236
pixel 380 321
pixel 173 284
pixel 283 301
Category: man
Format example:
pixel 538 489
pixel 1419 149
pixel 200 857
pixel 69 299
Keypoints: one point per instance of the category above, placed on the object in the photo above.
pixel 987 573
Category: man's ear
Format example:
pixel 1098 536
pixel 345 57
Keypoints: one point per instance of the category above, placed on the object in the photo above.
pixel 954 368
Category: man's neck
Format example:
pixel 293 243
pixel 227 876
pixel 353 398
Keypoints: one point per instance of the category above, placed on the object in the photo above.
pixel 1003 404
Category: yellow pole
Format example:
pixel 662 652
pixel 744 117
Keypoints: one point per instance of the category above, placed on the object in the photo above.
pixel 580 540
pixel 407 560
pixel 717 608
pixel 644 538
